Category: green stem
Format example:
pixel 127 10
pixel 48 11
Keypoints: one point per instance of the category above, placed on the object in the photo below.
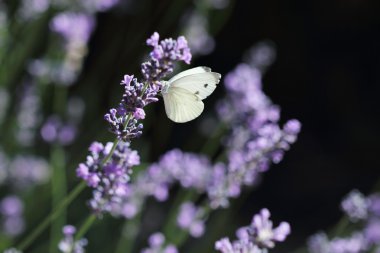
pixel 129 233
pixel 85 226
pixel 58 189
pixel 52 216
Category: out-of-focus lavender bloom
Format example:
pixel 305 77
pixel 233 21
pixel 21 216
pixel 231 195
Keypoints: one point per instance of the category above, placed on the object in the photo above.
pixel 28 116
pixel 256 140
pixel 372 231
pixel 355 205
pixel 74 27
pixel 190 218
pixel 123 120
pixel 198 37
pixel 319 243
pixel 263 233
pixel 54 130
pixel 190 170
pixel 25 171
pixel 224 245
pixel 255 238
pixel 366 237
pixel 261 56
pixel 4 101
pixel 157 245
pixel 109 180
pixel 11 210
pixel 30 9
pixel 374 204
pixel 68 244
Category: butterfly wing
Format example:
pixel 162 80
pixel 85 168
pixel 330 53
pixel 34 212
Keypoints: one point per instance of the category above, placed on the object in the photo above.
pixel 200 84
pixel 181 105
pixel 197 70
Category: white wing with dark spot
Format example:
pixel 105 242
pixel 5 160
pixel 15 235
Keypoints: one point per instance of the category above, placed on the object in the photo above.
pixel 181 105
pixel 200 84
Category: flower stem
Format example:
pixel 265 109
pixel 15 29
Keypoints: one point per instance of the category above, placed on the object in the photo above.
pixel 58 190
pixel 53 215
pixel 85 226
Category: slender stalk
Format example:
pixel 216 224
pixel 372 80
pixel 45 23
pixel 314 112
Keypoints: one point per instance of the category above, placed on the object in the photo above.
pixel 53 215
pixel 85 226
pixel 129 232
pixel 58 190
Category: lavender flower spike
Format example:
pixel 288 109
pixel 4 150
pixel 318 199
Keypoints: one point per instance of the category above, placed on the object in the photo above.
pixel 157 245
pixel 355 205
pixel 124 120
pixel 263 233
pixel 68 243
pixel 109 180
pixel 256 238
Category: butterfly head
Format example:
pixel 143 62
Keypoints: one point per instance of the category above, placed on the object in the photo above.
pixel 165 87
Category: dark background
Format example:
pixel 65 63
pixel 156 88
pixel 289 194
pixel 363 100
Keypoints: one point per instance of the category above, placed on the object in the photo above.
pixel 326 75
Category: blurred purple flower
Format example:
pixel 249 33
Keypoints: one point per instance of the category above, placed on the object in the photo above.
pixel 54 130
pixel 372 231
pixel 157 245
pixel 26 171
pixel 355 205
pixel 74 27
pixel 11 211
pixel 257 237
pixel 68 244
pixel 190 218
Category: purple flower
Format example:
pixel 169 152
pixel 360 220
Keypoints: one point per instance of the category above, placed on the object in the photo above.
pixel 109 180
pixel 372 231
pixel 54 130
pixel 11 211
pixel 124 120
pixel 26 171
pixel 190 218
pixel 68 244
pixel 257 237
pixel 157 245
pixel 355 205
pixel 74 27
pixel 263 233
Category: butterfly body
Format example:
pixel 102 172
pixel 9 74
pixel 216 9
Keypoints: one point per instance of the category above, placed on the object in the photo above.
pixel 183 93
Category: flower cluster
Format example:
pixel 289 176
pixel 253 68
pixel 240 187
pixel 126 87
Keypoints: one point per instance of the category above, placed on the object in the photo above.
pixel 123 121
pixel 63 24
pixel 255 238
pixel 108 179
pixel 55 131
pixel 11 213
pixel 355 205
pixel 366 237
pixel 23 171
pixel 190 218
pixel 68 244
pixel 192 171
pixel 157 245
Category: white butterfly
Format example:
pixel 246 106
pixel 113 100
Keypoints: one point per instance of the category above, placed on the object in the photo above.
pixel 184 92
